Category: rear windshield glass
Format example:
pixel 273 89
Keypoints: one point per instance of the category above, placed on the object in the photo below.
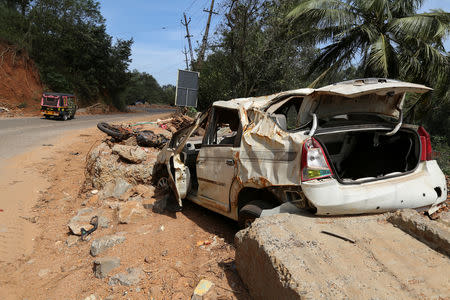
pixel 50 101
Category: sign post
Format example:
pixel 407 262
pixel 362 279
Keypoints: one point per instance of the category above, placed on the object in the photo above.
pixel 187 89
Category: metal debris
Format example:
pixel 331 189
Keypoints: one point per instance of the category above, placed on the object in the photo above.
pixel 339 236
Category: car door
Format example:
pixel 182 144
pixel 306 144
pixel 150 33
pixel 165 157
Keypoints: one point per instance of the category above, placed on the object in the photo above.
pixel 179 175
pixel 216 166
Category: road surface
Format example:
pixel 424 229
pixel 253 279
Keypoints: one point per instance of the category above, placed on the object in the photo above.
pixel 19 135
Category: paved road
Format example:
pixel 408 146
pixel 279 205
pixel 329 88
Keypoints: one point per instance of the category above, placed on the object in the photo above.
pixel 19 135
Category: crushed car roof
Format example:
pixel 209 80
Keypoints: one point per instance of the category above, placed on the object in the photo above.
pixel 350 89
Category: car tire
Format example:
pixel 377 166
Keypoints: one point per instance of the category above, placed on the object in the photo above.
pixel 160 178
pixel 251 211
pixel 113 131
pixel 64 117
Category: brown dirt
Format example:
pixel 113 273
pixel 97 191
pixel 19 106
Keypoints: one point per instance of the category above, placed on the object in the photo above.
pixel 166 246
pixel 20 84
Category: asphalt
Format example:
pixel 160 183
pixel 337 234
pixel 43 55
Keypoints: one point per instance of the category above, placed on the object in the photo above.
pixel 19 135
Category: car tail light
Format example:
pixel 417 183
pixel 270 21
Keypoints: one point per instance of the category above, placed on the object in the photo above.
pixel 425 141
pixel 314 164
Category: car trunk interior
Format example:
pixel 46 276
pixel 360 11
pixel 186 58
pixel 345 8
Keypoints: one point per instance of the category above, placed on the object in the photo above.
pixel 365 155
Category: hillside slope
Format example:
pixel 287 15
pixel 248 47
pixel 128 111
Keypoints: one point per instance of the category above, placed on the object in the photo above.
pixel 20 85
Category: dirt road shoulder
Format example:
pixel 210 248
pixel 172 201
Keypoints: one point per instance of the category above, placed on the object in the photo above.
pixel 174 251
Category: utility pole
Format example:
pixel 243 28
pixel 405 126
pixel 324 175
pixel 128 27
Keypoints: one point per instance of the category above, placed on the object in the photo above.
pixel 188 36
pixel 201 55
pixel 186 58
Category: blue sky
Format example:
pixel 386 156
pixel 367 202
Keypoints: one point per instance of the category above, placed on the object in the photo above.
pixel 158 34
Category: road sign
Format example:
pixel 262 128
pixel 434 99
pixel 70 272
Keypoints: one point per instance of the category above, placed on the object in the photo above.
pixel 187 88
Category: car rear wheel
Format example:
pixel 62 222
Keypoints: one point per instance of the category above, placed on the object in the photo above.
pixel 252 210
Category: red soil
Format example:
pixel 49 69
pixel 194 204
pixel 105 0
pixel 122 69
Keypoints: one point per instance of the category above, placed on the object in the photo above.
pixel 20 84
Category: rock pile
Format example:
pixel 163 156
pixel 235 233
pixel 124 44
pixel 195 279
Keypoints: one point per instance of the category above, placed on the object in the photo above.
pixel 108 163
pixel 117 191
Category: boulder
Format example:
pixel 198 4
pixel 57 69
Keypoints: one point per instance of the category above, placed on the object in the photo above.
pixel 131 277
pixel 103 266
pixel 133 154
pixel 104 166
pixel 115 189
pixel 83 218
pixel 131 212
pixel 112 204
pixel 287 256
pixel 433 233
pixel 107 191
pixel 120 188
pixel 144 191
pixel 93 200
pixel 101 244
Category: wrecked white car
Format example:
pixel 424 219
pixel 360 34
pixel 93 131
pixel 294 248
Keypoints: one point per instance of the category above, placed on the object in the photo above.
pixel 340 149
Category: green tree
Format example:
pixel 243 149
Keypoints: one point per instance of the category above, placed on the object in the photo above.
pixel 74 52
pixel 68 41
pixel 388 36
pixel 143 86
pixel 255 53
pixel 169 91
pixel 14 23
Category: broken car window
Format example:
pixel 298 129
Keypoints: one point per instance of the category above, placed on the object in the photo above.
pixel 286 115
pixel 222 128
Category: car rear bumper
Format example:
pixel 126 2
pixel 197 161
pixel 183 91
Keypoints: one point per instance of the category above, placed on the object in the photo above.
pixel 425 187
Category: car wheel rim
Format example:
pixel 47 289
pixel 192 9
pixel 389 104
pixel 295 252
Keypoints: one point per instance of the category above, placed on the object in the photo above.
pixel 163 183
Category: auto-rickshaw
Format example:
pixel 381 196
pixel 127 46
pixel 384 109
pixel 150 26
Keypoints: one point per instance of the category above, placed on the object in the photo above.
pixel 58 105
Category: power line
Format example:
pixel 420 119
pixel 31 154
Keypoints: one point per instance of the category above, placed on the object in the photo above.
pixel 190 6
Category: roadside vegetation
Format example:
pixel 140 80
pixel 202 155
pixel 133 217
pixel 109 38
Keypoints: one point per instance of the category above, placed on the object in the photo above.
pixel 143 86
pixel 67 39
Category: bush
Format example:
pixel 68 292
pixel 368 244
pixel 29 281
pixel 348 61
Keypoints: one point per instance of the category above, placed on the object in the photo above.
pixel 441 146
pixel 192 112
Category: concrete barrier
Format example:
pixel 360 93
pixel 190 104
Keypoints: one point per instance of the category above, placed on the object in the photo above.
pixel 288 256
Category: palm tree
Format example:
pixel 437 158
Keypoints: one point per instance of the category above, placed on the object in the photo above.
pixel 385 38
